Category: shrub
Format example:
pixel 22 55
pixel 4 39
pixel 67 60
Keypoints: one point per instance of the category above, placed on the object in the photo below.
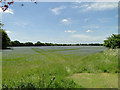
pixel 112 41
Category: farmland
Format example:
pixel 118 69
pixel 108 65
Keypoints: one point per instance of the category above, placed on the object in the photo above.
pixel 60 67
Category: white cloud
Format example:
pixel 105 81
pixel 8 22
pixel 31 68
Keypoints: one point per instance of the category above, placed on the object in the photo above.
pixel 98 6
pixel 66 21
pixel 8 32
pixel 78 1
pixel 89 38
pixel 70 31
pixel 9 11
pixel 89 31
pixel 57 10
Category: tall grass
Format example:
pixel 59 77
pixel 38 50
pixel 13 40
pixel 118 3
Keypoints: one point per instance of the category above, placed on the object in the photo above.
pixel 42 68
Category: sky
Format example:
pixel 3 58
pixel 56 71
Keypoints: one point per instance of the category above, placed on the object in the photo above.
pixel 61 22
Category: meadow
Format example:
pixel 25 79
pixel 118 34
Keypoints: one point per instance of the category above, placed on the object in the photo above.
pixel 60 67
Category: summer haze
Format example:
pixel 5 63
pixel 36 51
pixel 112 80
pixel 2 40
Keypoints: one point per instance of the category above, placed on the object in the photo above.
pixel 60 45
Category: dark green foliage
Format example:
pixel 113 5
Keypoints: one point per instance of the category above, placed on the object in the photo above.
pixel 14 43
pixel 5 38
pixel 112 41
pixel 17 43
pixel 28 44
pixel 38 43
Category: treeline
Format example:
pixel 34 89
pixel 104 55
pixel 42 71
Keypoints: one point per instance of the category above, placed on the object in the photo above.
pixel 17 43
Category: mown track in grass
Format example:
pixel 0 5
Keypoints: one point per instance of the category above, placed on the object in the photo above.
pixel 96 80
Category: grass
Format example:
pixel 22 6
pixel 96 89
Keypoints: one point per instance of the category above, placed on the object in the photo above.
pixel 50 67
pixel 99 80
pixel 0 69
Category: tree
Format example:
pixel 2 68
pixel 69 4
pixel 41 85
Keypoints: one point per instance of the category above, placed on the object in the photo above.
pixel 38 43
pixel 112 41
pixel 5 39
pixel 14 43
pixel 28 44
pixel 5 4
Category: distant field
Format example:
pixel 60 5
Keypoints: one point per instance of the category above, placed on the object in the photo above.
pixel 59 67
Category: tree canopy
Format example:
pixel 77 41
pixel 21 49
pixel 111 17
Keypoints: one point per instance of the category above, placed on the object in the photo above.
pixel 112 41
pixel 5 38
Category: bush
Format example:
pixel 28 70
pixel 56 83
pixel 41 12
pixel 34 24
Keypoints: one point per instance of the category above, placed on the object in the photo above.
pixel 112 41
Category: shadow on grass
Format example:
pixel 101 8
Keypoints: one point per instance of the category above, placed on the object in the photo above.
pixel 6 49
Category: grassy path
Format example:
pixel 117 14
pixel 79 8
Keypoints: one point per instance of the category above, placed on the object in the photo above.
pixel 99 80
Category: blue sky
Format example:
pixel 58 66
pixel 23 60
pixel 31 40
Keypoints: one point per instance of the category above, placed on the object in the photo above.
pixel 65 22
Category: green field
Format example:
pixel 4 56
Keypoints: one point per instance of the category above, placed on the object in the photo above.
pixel 60 67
